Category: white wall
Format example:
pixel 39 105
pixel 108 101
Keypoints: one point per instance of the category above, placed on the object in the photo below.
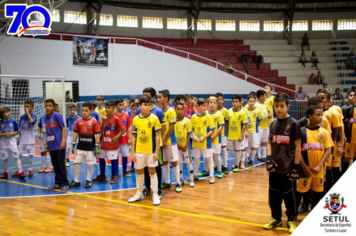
pixel 131 69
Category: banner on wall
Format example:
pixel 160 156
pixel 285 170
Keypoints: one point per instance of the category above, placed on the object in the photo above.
pixel 90 51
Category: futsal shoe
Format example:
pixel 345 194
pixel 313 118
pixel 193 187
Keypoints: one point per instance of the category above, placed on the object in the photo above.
pixel 182 181
pixel 273 223
pixel 235 170
pixel 196 177
pixel 56 186
pixel 99 178
pixel 127 174
pixel 87 184
pixel 204 173
pixel 250 163
pixel 242 166
pixel 30 173
pixel 165 185
pixel 64 189
pixel 136 198
pixel 178 188
pixel 155 199
pixel 146 192
pixel 22 175
pixel 220 175
pixel 291 226
pixel 130 170
pixel 160 193
pixel 191 183
pixel 212 180
pixel 48 170
pixel 4 175
pixel 225 170
pixel 303 209
pixel 113 180
pixel 74 184
pixel 41 170
pixel 67 164
pixel 16 174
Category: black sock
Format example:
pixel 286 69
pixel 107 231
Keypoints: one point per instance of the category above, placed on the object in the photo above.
pixel 336 174
pixel 159 175
pixel 306 199
pixel 329 179
pixel 344 167
pixel 315 199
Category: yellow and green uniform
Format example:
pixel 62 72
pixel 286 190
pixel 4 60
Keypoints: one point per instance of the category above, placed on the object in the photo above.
pixel 255 117
pixel 101 112
pixel 269 102
pixel 218 120
pixel 170 116
pixel 201 125
pixel 236 121
pixel 183 129
pixel 223 111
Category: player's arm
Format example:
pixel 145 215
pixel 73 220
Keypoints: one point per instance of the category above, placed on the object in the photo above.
pixel 63 143
pixel 75 136
pixel 39 130
pixel 29 116
pixel 341 143
pixel 116 138
pixel 305 168
pixel 129 134
pixel 227 124
pixel 103 124
pixel 270 166
pixel 207 135
pixel 157 136
pixel 320 165
pixel 169 133
pixel 187 142
pixel 217 132
pixel 247 133
pixel 242 133
pixel 298 151
pixel 133 147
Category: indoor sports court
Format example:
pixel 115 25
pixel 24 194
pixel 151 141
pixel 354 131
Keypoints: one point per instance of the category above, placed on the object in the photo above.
pixel 153 88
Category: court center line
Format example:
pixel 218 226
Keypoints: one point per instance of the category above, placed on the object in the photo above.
pixel 148 207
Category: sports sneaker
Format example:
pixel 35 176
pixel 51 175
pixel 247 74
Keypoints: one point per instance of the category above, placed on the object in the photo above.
pixel 113 180
pixel 41 170
pixel 146 192
pixel 130 170
pixel 204 173
pixel 155 199
pixel 49 169
pixel 74 184
pixel 211 180
pixel 30 173
pixel 225 170
pixel 250 163
pixel 220 175
pixel 263 160
pixel 182 181
pixel 99 178
pixel 235 170
pixel 136 198
pixel 242 166
pixel 303 209
pixel 178 188
pixel 160 193
pixel 196 177
pixel 16 174
pixel 64 189
pixel 273 223
pixel 67 164
pixel 87 184
pixel 233 166
pixel 22 175
pixel 191 183
pixel 4 175
pixel 126 174
pixel 291 226
pixel 56 186
pixel 165 185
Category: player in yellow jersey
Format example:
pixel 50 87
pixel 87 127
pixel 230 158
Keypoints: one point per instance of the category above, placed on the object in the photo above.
pixel 223 111
pixel 236 125
pixel 216 138
pixel 145 148
pixel 246 149
pixel 203 128
pixel 269 103
pixel 100 109
pixel 170 149
pixel 255 117
pixel 183 131
pixel 263 128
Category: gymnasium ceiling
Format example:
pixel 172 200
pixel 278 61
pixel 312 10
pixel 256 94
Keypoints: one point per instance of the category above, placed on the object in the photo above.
pixel 235 6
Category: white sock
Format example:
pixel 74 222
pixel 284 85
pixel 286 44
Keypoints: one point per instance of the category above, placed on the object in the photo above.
pixel 196 165
pixel 252 155
pixel 237 157
pixel 206 166
pixel 21 158
pixel 176 174
pixel 6 164
pixel 68 152
pixel 224 156
pixel 243 156
pixel 211 165
pixel 30 162
pixel 43 160
pixel 90 172
pixel 264 151
pixel 181 170
pixel 18 164
pixel 217 159
pixel 189 167
pixel 154 183
pixel 76 173
pixel 139 182
pixel 167 177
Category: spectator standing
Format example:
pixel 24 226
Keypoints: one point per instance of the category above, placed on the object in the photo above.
pixel 229 65
pixel 246 76
pixel 305 41
pixel 319 79
pixel 314 60
pixel 300 96
pixel 245 60
pixel 312 79
pixel 258 61
pixel 303 58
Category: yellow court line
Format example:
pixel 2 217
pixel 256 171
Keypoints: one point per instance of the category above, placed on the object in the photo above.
pixel 22 165
pixel 150 207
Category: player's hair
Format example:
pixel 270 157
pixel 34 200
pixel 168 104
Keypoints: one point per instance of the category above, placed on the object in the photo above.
pixel 135 105
pixel 253 93
pixel 208 96
pixel 131 100
pixel 145 99
pixel 126 100
pixel 351 91
pixel 87 105
pixel 50 100
pixel 165 93
pixel 100 98
pixel 328 96
pixel 314 101
pixel 192 96
pixel 212 98
pixel 56 104
pixel 201 101
pixel 251 96
pixel 268 85
pixel 311 110
pixel 179 104
pixel 137 98
pixel 187 96
pixel 93 104
pixel 3 110
pixel 178 98
pixel 29 102
pixel 152 92
pixel 280 97
pixel 118 100
pixel 260 93
pixel 72 106
pixel 219 95
pixel 238 97
pixel 110 103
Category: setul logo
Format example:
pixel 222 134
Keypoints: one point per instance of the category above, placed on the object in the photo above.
pixel 280 139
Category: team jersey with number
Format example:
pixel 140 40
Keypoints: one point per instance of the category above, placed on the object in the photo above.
pixel 264 114
pixel 283 134
pixel 255 117
pixel 87 129
pixel 183 129
pixel 170 116
pixel 96 116
pixel 112 128
pixel 54 124
pixel 71 124
pixel 101 112
pixel 314 143
pixel 223 111
pixel 218 120
pixel 270 108
pixel 27 129
pixel 201 125
pixel 126 120
pixel 350 123
pixel 236 121
pixel 324 123
pixel 145 129
pixel 9 126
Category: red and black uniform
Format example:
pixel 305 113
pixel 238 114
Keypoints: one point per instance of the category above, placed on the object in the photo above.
pixel 86 130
